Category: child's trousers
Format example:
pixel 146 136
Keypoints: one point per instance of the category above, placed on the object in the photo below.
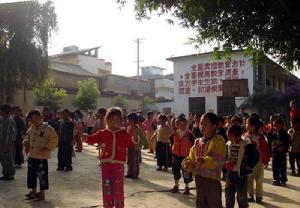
pixel 133 162
pixel 236 185
pixel 295 158
pixel 209 193
pixel 258 176
pixel 37 169
pixel 279 166
pixel 113 185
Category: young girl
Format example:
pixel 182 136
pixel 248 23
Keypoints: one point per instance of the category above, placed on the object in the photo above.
pixel 162 135
pixel 113 142
pixel 134 152
pixel 206 160
pixel 182 140
pixel 253 126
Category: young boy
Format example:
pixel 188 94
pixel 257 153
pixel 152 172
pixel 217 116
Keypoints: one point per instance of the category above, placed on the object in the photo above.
pixel 162 135
pixel 294 156
pixel 182 140
pixel 134 152
pixel 241 158
pixel 65 144
pixel 206 160
pixel 280 146
pixel 40 140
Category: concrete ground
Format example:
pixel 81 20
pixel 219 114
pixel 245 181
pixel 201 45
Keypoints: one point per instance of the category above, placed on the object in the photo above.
pixel 82 187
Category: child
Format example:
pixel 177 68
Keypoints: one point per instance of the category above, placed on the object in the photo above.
pixel 206 159
pixel 40 140
pixel 162 135
pixel 182 141
pixel 100 123
pixel 195 129
pixel 280 146
pixel 294 132
pixel 65 143
pixel 294 109
pixel 113 141
pixel 241 158
pixel 253 126
pixel 134 152
pixel 149 124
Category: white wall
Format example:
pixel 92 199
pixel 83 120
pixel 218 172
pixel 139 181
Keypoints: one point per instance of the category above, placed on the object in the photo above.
pixel 92 64
pixel 185 65
pixel 162 105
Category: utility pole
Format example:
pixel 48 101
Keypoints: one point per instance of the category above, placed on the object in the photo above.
pixel 138 42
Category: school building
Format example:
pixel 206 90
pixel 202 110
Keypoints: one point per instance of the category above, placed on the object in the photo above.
pixel 199 80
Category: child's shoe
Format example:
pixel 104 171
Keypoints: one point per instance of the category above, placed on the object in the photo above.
pixel 258 200
pixel 165 169
pixel 276 183
pixel 251 198
pixel 59 169
pixel 175 189
pixel 40 197
pixel 186 191
pixel 31 195
pixel 69 169
pixel 293 173
pixel 283 183
pixel 159 168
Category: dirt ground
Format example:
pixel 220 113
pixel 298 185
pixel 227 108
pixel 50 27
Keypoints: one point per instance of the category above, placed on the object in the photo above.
pixel 82 187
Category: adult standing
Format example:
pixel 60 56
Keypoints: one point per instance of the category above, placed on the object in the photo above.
pixel 8 133
pixel 21 130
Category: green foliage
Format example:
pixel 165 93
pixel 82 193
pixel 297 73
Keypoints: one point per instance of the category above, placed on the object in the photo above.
pixel 120 101
pixel 48 95
pixel 270 27
pixel 25 29
pixel 87 95
pixel 147 104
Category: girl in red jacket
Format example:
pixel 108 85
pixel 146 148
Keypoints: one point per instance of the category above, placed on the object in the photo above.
pixel 182 140
pixel 253 126
pixel 113 143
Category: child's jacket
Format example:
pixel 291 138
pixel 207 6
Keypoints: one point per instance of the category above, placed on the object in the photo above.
pixel 262 145
pixel 295 137
pixel 112 144
pixel 40 141
pixel 213 152
pixel 181 145
pixel 247 157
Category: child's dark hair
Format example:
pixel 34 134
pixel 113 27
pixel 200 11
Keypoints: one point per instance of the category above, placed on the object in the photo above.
pixel 236 120
pixel 198 115
pixel 221 119
pixel 66 111
pixel 133 117
pixel 163 118
pixel 235 130
pixel 213 118
pixel 114 111
pixel 279 121
pixel 255 121
pixel 255 115
pixel 150 113
pixel 34 112
pixel 102 111
pixel 5 109
pixel 180 119
pixel 141 119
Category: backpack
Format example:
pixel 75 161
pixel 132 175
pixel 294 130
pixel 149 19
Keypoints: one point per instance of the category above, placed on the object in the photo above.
pixel 252 155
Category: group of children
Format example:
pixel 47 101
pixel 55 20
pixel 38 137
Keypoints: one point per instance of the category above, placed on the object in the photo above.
pixel 202 148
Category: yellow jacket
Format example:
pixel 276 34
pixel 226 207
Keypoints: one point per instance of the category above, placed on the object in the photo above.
pixel 213 152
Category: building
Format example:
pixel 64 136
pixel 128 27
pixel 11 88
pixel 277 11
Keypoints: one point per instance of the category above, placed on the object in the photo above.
pixel 86 58
pixel 75 65
pixel 199 80
pixel 162 86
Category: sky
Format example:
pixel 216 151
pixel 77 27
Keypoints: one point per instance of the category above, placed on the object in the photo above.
pixel 90 23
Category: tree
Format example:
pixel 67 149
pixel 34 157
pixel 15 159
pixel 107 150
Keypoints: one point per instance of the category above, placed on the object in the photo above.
pixel 120 101
pixel 48 95
pixel 87 95
pixel 147 104
pixel 25 29
pixel 271 27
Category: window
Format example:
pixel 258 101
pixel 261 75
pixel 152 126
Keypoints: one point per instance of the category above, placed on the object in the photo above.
pixel 226 106
pixel 197 105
